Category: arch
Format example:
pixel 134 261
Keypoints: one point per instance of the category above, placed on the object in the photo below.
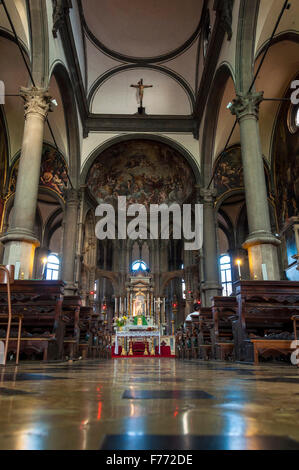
pixel 106 76
pixel 71 118
pixel 168 277
pixel 285 36
pixel 211 120
pixel 39 42
pixel 11 185
pixel 124 138
pixel 112 277
pixel 248 17
pixel 139 60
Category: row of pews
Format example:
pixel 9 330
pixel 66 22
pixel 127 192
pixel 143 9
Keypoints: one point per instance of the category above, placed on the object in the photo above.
pixel 54 326
pixel 260 321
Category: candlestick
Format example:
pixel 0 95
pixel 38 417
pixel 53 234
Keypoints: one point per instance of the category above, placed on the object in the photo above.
pixel 239 268
pixel 44 261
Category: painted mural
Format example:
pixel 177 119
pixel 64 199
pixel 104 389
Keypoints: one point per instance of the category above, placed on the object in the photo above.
pixel 146 172
pixel 286 168
pixel 229 171
pixel 53 174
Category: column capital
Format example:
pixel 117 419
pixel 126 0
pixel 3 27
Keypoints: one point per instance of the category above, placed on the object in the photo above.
pixel 72 196
pixel 208 196
pixel 36 101
pixel 247 104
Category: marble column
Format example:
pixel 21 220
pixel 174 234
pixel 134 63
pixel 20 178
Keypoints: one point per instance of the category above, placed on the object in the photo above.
pixel 70 240
pixel 261 243
pixel 211 286
pixel 20 240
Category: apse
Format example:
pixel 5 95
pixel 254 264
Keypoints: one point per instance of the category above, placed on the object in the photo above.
pixel 144 171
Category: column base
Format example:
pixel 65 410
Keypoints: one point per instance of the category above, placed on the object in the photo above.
pixel 210 290
pixel 263 257
pixel 70 288
pixel 20 248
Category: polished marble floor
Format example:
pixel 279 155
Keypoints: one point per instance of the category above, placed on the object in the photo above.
pixel 149 404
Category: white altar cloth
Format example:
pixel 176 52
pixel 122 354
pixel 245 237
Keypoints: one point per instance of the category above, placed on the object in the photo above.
pixel 136 334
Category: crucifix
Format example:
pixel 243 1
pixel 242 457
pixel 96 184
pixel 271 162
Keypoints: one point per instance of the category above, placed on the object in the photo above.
pixel 141 87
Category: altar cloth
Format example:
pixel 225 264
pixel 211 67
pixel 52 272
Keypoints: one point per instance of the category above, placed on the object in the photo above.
pixel 136 334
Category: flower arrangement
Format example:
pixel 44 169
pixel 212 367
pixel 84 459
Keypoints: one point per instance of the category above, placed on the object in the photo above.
pixel 121 321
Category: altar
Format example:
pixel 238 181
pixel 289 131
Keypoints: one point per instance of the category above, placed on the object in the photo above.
pixel 139 322
pixel 142 335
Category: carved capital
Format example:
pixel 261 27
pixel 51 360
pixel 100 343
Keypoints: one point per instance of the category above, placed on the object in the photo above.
pixel 247 104
pixel 208 196
pixel 36 100
pixel 72 197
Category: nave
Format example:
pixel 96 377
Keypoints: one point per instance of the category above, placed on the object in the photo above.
pixel 160 404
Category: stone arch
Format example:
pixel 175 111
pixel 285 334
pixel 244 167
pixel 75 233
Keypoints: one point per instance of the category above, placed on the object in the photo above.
pixel 211 120
pixel 248 17
pixel 71 118
pixel 123 138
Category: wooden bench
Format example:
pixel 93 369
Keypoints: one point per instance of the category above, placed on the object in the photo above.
pixel 40 304
pixel 264 308
pixel 71 308
pixel 223 308
pixel 85 339
pixel 262 346
pixel 204 336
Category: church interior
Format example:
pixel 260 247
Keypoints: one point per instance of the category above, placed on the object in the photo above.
pixel 133 341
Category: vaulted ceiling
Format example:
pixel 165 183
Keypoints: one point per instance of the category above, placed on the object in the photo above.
pixel 142 29
pixel 126 40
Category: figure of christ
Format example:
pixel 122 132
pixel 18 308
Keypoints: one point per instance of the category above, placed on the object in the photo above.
pixel 140 87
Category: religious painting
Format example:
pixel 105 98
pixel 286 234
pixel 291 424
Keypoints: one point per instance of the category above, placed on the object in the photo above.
pixel 53 174
pixel 139 305
pixel 286 169
pixel 229 171
pixel 146 172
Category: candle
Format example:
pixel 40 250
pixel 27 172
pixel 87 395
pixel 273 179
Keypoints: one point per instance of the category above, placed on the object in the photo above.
pixel 44 261
pixel 239 267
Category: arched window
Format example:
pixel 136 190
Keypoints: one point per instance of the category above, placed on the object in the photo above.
pixel 52 269
pixel 226 275
pixel 139 265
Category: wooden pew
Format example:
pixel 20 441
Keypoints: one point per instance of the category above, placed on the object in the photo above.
pixel 195 336
pixel 71 316
pixel 204 336
pixel 85 339
pixel 223 308
pixel 97 344
pixel 264 308
pixel 40 303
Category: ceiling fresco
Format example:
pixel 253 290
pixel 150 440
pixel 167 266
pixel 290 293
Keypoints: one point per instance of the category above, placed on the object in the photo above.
pixel 145 172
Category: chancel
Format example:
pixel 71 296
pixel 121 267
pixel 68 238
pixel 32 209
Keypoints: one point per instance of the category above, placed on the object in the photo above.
pixel 149 225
